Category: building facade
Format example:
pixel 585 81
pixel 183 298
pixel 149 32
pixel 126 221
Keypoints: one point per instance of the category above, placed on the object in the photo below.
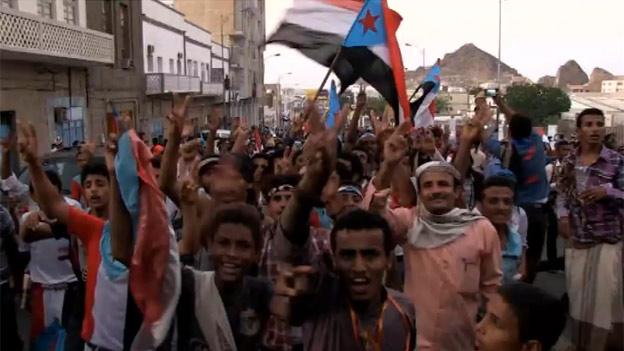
pixel 612 86
pixel 239 25
pixel 178 58
pixel 50 53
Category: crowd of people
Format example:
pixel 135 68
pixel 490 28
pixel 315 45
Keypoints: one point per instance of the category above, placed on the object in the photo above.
pixel 324 238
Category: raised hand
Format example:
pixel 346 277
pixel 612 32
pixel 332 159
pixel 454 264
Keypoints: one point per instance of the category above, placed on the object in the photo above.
pixel 179 111
pixel 188 192
pixel 111 152
pixel 27 143
pixel 214 120
pixel 396 145
pixel 284 165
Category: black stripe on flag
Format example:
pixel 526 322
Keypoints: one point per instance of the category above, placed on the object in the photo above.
pixel 353 63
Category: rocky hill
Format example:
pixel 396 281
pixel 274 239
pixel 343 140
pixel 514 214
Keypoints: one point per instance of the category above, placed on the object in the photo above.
pixel 596 78
pixel 468 66
pixel 571 73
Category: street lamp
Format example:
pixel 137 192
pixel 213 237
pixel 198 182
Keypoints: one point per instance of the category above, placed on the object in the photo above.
pixel 279 87
pixel 423 52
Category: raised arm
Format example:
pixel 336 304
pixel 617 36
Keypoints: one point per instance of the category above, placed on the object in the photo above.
pixel 352 132
pixel 471 132
pixel 120 222
pixel 214 121
pixel 169 167
pixel 190 242
pixel 34 228
pixel 49 199
pixel 394 150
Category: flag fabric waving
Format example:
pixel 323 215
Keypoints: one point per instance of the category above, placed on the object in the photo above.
pixel 154 276
pixel 334 106
pixel 371 51
pixel 424 108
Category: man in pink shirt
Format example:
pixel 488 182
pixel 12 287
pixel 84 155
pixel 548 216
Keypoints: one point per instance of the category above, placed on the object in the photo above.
pixel 452 255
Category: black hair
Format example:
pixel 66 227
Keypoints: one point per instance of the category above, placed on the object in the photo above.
pixel 496 180
pixel 278 180
pixel 53 177
pixel 357 170
pixel 541 317
pixel 520 126
pixel 236 213
pixel 359 219
pixel 154 141
pixel 155 161
pixel 93 168
pixel 585 112
pixel 561 143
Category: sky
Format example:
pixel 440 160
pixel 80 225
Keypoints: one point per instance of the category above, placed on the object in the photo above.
pixel 538 36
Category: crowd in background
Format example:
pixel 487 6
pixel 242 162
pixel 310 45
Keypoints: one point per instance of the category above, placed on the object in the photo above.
pixel 328 237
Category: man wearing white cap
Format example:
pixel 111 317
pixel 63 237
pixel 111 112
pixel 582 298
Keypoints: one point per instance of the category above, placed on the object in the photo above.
pixel 452 255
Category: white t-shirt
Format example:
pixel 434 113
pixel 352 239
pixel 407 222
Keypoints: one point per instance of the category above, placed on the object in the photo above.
pixel 49 258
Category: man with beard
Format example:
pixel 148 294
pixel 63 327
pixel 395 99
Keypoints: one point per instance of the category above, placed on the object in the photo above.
pixel 460 249
pixel 591 192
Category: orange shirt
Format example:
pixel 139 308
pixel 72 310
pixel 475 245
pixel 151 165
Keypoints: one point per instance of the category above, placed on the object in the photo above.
pixel 88 229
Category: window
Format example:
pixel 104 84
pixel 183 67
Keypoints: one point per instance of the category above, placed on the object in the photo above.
pixel 124 26
pixel 7 3
pixel 203 72
pixel 107 19
pixel 189 66
pixel 159 64
pixel 179 67
pixel 207 72
pixel 150 63
pixel 216 75
pixel 195 73
pixel 45 8
pixel 171 69
pixel 70 11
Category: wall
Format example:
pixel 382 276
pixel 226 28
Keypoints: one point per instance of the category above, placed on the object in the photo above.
pixel 167 44
pixel 30 6
pixel 33 90
pixel 208 14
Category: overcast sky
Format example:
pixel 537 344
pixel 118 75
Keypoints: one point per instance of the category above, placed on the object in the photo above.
pixel 537 35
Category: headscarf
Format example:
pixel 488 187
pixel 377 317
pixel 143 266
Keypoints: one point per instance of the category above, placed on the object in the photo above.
pixel 429 230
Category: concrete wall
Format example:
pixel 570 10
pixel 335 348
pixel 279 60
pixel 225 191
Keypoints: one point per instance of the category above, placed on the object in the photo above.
pixel 33 90
pixel 167 44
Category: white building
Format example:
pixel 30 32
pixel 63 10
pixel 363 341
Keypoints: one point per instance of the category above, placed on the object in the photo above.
pixel 611 104
pixel 612 86
pixel 178 58
pixel 47 55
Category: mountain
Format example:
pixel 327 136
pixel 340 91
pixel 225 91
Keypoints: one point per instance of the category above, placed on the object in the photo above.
pixel 548 81
pixel 596 78
pixel 571 73
pixel 468 66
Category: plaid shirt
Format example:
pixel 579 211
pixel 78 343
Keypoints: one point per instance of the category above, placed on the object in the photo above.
pixel 278 333
pixel 601 221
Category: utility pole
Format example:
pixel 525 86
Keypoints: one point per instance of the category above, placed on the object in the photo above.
pixel 226 83
pixel 500 21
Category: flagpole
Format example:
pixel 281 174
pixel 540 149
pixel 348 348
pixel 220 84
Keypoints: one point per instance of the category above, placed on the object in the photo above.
pixel 414 93
pixel 329 70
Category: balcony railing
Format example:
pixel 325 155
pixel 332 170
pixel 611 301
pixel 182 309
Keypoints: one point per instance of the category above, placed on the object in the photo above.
pixel 212 89
pixel 24 33
pixel 162 83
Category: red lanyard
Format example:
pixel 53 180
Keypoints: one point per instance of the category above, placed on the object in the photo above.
pixel 373 343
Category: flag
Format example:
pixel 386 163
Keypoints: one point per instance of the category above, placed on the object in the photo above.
pixel 334 106
pixel 258 141
pixel 154 276
pixel 319 28
pixel 424 108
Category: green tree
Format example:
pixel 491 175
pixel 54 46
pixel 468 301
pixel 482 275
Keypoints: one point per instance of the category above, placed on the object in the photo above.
pixel 376 103
pixel 542 104
pixel 442 104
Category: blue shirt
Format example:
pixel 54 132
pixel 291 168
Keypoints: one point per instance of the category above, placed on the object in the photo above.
pixel 512 252
pixel 531 177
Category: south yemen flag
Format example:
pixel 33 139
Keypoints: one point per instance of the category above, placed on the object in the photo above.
pixel 154 277
pixel 363 34
pixel 424 108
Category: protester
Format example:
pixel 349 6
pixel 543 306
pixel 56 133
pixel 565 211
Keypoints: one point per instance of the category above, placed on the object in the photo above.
pixel 591 191
pixel 9 336
pixel 496 203
pixel 527 161
pixel 521 317
pixel 460 249
pixel 55 272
